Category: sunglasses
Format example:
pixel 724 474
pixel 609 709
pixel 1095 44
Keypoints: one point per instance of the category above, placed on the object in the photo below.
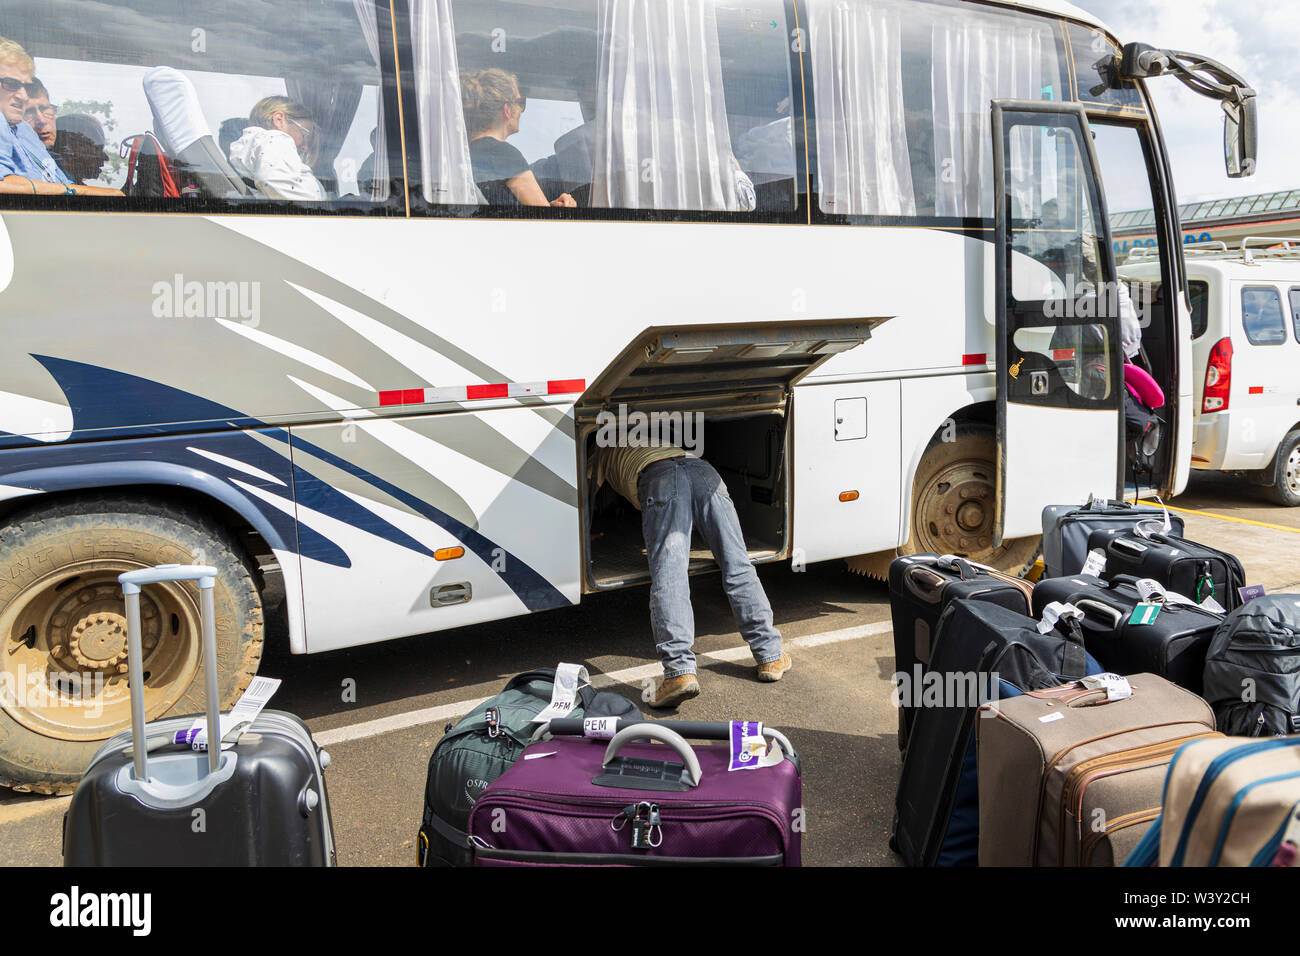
pixel 12 85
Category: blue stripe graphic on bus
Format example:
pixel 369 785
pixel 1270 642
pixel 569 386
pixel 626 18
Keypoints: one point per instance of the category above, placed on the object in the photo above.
pixel 138 402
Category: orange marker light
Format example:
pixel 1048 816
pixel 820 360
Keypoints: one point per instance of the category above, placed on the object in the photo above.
pixel 848 496
pixel 447 554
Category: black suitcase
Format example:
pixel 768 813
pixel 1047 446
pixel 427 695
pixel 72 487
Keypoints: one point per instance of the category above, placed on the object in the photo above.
pixel 1173 646
pixel 1001 652
pixel 1185 567
pixel 146 800
pixel 1067 530
pixel 920 587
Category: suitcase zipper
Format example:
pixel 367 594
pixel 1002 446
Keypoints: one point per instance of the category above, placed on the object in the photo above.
pixel 1087 772
pixel 599 809
pixel 1133 819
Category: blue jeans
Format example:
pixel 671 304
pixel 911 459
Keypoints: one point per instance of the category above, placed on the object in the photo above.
pixel 676 495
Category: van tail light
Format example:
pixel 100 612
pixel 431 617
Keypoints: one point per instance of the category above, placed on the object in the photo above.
pixel 1218 377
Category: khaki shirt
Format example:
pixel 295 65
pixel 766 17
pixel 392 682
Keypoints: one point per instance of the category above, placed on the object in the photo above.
pixel 622 466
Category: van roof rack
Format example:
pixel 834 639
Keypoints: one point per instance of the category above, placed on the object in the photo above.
pixel 1252 249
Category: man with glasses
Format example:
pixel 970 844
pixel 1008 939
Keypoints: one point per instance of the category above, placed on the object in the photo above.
pixel 42 115
pixel 25 163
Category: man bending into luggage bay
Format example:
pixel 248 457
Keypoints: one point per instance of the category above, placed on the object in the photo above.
pixel 674 492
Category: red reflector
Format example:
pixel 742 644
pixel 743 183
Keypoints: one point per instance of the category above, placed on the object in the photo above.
pixel 404 396
pixel 487 391
pixel 980 358
pixel 566 386
pixel 1062 355
pixel 1257 390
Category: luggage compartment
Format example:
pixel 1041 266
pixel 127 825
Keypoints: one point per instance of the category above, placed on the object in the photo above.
pixel 725 390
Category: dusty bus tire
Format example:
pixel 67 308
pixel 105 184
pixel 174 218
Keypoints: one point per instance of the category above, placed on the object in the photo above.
pixel 953 506
pixel 1285 489
pixel 62 630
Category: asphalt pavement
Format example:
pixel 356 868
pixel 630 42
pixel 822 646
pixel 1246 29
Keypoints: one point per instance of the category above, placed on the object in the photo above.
pixel 380 709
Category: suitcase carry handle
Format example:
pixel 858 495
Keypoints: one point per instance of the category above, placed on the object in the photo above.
pixel 1072 695
pixel 691 774
pixel 687 729
pixel 1113 616
pixel 206 577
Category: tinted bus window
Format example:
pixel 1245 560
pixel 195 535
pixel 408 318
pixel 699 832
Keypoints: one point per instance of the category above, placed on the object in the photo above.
pixel 1295 312
pixel 621 104
pixel 1261 316
pixel 1091 59
pixel 901 95
pixel 230 102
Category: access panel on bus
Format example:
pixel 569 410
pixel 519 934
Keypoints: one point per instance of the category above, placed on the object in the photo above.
pixel 1059 362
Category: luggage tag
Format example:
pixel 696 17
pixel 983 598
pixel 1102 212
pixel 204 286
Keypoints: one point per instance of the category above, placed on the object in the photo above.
pixel 601 728
pixel 1096 563
pixel 1250 592
pixel 1153 597
pixel 244 712
pixel 1057 611
pixel 749 750
pixel 1145 528
pixel 1115 686
pixel 564 693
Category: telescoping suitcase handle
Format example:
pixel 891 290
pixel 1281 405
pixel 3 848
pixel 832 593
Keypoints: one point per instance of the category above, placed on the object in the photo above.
pixel 131 581
pixel 689 729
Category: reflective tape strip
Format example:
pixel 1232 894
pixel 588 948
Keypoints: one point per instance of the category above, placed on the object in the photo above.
pixel 979 358
pixel 473 393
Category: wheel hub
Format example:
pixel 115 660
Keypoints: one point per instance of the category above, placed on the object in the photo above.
pixel 1293 471
pixel 955 510
pixel 87 630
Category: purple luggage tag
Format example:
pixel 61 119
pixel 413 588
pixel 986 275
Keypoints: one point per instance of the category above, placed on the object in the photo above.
pixel 749 750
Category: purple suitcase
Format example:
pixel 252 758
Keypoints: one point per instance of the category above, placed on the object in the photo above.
pixel 600 802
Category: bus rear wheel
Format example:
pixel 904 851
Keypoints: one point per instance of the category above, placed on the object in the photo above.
pixel 953 508
pixel 63 653
pixel 1285 489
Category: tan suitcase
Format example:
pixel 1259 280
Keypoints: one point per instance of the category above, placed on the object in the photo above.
pixel 1229 801
pixel 1069 778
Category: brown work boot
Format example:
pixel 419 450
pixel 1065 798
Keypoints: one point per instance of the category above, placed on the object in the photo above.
pixel 668 692
pixel 772 670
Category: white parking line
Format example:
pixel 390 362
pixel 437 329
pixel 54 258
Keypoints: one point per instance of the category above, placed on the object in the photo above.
pixel 11 812
pixel 632 676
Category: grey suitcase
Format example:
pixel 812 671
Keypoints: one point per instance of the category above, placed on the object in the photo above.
pixel 1068 528
pixel 148 800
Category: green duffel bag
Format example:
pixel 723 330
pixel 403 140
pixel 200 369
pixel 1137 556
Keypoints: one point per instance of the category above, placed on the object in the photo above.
pixel 481 746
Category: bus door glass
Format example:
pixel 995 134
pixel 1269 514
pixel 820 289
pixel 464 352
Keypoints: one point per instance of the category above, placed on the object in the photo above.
pixel 1059 368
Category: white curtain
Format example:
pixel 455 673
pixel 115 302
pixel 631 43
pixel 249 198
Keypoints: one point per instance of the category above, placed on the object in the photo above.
pixel 862 153
pixel 448 176
pixel 379 180
pixel 662 139
pixel 979 58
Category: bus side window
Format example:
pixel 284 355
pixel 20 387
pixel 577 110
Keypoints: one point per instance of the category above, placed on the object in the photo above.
pixel 173 99
pixel 584 105
pixel 901 93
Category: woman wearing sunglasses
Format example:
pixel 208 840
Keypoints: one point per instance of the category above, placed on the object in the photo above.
pixel 25 164
pixel 277 149
pixel 493 106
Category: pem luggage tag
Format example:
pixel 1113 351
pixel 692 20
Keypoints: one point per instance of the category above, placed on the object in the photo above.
pixel 749 749
pixel 234 722
pixel 569 678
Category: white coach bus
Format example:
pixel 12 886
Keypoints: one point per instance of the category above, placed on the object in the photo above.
pixel 378 266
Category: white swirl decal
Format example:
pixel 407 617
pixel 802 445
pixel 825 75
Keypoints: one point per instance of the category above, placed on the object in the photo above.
pixel 6 257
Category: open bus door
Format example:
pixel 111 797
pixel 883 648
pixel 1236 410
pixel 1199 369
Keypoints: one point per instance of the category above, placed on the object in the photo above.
pixel 1059 360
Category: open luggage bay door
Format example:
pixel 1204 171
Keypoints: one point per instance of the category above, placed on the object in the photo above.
pixel 1059 360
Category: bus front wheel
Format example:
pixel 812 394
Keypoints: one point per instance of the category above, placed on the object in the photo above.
pixel 953 508
pixel 63 651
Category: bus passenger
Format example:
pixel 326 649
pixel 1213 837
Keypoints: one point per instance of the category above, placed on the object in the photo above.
pixel 275 149
pixel 493 105
pixel 40 113
pixel 79 147
pixel 26 166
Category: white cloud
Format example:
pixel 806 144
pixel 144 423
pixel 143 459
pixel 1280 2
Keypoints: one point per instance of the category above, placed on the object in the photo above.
pixel 1256 40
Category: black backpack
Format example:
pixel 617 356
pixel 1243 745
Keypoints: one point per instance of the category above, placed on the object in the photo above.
pixel 480 747
pixel 1252 670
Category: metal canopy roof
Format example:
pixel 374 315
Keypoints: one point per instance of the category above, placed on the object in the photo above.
pixel 1279 204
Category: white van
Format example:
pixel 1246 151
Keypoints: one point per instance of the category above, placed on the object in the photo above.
pixel 1245 358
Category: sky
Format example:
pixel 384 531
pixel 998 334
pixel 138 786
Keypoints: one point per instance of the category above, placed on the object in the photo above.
pixel 1258 41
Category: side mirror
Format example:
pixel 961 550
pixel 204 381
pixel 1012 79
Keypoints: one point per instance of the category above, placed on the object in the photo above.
pixel 1140 61
pixel 1241 137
